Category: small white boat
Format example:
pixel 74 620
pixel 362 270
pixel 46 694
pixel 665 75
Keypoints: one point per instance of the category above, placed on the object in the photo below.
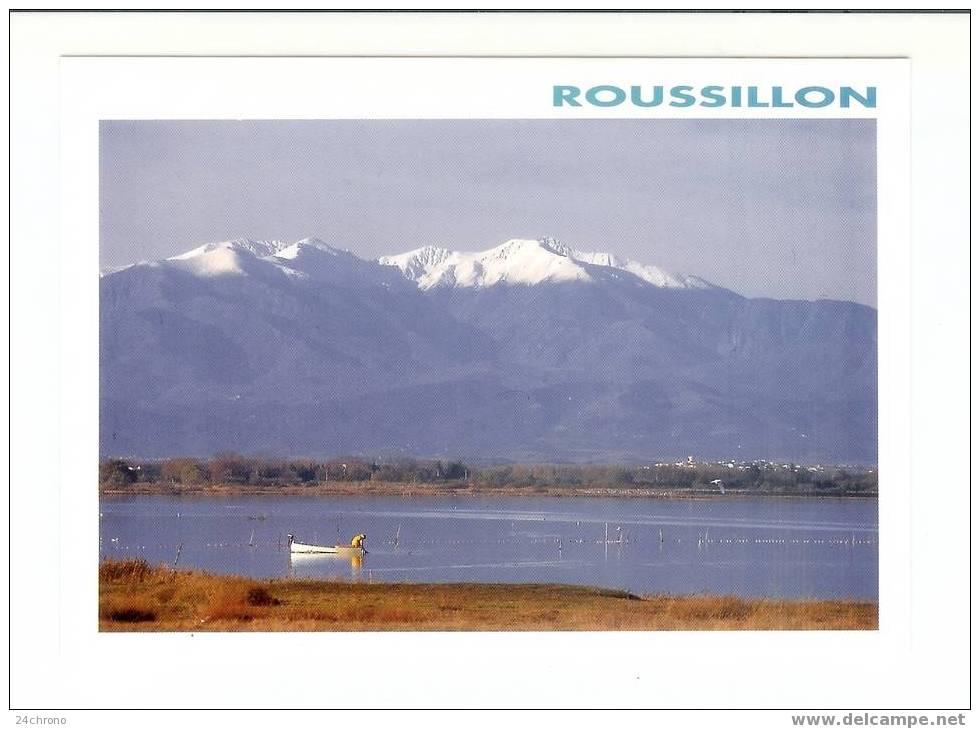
pixel 353 549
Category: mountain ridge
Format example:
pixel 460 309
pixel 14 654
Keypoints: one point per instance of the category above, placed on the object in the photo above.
pixel 524 351
pixel 524 261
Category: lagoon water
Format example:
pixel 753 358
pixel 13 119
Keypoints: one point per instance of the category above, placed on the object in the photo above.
pixel 753 547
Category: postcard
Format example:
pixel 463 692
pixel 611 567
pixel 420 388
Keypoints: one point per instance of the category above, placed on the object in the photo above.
pixel 385 361
pixel 612 366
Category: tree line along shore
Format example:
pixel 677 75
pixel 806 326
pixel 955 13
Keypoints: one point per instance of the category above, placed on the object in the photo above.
pixel 234 473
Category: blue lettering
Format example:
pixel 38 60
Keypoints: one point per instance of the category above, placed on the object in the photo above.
pixel 777 98
pixel 827 97
pixel 868 101
pixel 636 96
pixel 714 93
pixel 681 96
pixel 811 97
pixel 754 98
pixel 566 93
pixel 592 96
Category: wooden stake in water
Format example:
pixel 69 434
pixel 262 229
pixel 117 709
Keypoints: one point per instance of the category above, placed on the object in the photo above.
pixel 177 557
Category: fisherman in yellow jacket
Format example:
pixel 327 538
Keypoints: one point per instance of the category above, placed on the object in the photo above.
pixel 358 540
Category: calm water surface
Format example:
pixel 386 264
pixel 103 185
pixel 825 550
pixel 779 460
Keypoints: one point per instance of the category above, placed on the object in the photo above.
pixel 752 547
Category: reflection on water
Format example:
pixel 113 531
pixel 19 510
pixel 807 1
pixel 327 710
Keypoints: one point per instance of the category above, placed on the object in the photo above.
pixel 318 563
pixel 751 547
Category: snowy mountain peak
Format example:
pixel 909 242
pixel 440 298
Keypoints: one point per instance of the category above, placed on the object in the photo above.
pixel 246 245
pixel 290 252
pixel 519 261
pixel 523 261
pixel 415 264
pixel 530 247
pixel 224 258
pixel 234 257
pixel 555 246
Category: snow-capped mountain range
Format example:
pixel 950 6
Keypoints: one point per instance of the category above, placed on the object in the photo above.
pixel 518 261
pixel 525 262
pixel 527 351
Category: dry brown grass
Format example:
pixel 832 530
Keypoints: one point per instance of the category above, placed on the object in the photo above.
pixel 134 598
pixel 123 570
pixel 121 609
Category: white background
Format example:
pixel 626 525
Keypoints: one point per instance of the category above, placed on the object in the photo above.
pixel 919 658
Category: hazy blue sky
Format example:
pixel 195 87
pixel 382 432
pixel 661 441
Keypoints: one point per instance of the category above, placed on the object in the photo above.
pixel 782 208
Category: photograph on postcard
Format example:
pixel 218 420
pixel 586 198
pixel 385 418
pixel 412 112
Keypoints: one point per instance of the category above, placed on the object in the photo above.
pixel 489 374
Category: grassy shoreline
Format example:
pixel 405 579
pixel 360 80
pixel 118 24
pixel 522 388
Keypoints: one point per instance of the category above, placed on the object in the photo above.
pixel 134 596
pixel 389 488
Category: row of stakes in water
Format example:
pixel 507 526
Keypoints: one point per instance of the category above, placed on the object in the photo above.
pixel 702 540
